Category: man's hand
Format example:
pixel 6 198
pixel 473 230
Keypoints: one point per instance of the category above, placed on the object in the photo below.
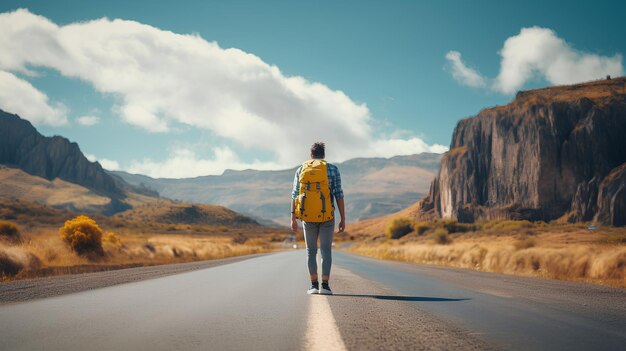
pixel 294 225
pixel 342 225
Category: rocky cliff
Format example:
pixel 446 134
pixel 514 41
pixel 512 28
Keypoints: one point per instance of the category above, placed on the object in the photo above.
pixel 557 152
pixel 23 147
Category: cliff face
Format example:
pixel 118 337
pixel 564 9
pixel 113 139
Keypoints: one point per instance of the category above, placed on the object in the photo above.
pixel 550 153
pixel 23 147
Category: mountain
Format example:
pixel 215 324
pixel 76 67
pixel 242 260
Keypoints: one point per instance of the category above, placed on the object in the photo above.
pixel 23 147
pixel 372 186
pixel 557 152
pixel 63 170
pixel 54 172
pixel 39 174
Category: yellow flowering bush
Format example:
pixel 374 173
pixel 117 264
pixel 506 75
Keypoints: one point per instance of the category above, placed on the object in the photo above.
pixel 83 235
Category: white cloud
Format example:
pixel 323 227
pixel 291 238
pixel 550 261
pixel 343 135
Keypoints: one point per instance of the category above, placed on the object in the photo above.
pixel 20 97
pixel 162 78
pixel 539 52
pixel 393 147
pixel 88 120
pixel 111 165
pixel 463 74
pixel 90 157
pixel 183 163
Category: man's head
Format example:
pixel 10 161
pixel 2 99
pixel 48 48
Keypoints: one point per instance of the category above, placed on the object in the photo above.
pixel 318 150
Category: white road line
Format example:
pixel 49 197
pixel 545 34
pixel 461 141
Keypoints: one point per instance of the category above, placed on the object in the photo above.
pixel 322 332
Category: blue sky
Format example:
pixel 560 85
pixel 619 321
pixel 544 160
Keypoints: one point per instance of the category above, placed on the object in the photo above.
pixel 404 90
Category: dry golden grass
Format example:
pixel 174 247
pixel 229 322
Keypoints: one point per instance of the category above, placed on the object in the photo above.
pixel 595 264
pixel 43 251
pixel 599 91
pixel 145 236
pixel 15 183
pixel 549 250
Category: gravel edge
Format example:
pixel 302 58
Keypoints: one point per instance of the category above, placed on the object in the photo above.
pixel 38 288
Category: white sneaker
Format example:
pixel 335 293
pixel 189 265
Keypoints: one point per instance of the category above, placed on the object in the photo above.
pixel 325 289
pixel 314 289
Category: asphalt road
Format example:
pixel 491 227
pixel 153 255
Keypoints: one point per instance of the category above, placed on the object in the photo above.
pixel 260 304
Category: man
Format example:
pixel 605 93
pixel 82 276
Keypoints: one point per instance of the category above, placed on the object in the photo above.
pixel 312 202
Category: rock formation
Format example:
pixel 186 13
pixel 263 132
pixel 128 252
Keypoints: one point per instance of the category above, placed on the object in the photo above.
pixel 23 147
pixel 551 153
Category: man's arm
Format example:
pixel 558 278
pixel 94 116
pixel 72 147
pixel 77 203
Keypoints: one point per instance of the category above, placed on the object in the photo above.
pixel 338 194
pixel 294 193
pixel 342 213
pixel 294 223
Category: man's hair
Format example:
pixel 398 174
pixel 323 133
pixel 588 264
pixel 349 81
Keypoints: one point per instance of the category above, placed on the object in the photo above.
pixel 318 150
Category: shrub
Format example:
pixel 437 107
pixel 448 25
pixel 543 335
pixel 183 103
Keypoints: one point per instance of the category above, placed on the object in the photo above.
pixel 8 265
pixel 83 235
pixel 10 232
pixel 421 227
pixel 277 238
pixel 110 237
pixel 13 260
pixel 398 228
pixel 150 247
pixel 524 244
pixel 456 227
pixel 239 239
pixel 441 237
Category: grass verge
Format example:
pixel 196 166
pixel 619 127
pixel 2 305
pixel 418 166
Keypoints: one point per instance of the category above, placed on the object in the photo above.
pixel 547 250
pixel 42 252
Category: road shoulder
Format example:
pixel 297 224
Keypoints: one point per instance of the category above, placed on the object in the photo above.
pixel 38 288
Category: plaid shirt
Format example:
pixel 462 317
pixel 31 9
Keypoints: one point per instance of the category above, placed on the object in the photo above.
pixel 334 182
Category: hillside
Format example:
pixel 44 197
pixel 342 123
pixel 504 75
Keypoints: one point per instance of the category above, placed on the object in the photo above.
pixel 169 212
pixel 373 187
pixel 58 193
pixel 557 152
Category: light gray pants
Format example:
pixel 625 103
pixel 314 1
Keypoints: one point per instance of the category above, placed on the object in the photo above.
pixel 323 231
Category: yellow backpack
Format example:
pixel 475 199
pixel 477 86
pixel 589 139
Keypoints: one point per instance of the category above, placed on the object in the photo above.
pixel 314 203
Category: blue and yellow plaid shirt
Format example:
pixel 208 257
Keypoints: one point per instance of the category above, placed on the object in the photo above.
pixel 334 182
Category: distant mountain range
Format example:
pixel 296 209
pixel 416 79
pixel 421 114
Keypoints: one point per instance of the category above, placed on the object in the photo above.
pixel 372 186
pixel 53 171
